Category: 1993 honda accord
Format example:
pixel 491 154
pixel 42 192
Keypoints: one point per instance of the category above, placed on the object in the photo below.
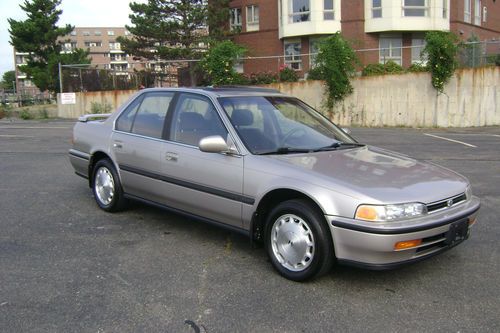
pixel 259 162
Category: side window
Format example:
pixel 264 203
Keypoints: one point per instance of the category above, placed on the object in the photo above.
pixel 151 114
pixel 195 118
pixel 124 122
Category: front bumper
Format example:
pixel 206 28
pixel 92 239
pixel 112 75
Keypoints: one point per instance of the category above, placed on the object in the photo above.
pixel 372 245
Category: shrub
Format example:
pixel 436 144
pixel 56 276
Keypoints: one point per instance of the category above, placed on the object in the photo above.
pixel 373 69
pixel 392 67
pixel 315 73
pixel 25 115
pixel 337 61
pixel 441 51
pixel 44 114
pixel 99 108
pixel 417 68
pixel 218 63
pixel 288 75
pixel 263 78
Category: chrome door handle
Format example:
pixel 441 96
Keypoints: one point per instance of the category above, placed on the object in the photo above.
pixel 117 145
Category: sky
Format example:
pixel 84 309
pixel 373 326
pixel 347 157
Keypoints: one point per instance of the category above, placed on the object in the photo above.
pixel 80 13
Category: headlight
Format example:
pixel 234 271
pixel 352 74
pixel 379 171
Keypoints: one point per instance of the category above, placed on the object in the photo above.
pixel 381 213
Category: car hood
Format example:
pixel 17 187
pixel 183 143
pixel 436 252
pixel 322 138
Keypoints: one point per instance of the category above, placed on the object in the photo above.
pixel 377 175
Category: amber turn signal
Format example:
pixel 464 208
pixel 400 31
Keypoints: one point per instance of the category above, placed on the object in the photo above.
pixel 407 244
pixel 472 221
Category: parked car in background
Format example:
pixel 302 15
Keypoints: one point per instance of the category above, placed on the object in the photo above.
pixel 269 166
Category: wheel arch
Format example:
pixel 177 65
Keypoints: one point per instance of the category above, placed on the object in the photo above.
pixel 94 158
pixel 270 200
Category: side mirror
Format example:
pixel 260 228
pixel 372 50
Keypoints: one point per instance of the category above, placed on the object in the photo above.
pixel 213 144
pixel 346 130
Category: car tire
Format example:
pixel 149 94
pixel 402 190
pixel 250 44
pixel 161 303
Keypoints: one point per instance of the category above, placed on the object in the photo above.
pixel 298 240
pixel 106 187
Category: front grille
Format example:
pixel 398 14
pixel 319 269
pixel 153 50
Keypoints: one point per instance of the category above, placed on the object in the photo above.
pixel 438 205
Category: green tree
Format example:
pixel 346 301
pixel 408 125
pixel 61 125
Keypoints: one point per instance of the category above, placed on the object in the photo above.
pixel 172 30
pixel 218 63
pixel 7 79
pixel 441 50
pixel 336 62
pixel 40 37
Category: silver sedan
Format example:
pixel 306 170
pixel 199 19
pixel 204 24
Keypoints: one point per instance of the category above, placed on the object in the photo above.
pixel 269 166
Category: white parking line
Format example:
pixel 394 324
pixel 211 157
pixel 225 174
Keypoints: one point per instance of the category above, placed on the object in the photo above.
pixel 451 140
pixel 33 127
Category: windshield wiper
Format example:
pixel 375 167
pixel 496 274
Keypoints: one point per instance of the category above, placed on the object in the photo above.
pixel 341 145
pixel 285 150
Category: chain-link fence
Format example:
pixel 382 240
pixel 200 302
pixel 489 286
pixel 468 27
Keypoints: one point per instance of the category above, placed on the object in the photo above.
pixel 24 97
pixel 256 70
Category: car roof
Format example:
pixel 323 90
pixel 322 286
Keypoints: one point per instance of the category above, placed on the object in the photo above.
pixel 225 91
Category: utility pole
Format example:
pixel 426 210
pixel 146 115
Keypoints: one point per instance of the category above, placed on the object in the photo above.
pixel 60 79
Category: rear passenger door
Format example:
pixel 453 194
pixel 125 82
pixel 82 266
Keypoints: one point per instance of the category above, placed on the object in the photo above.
pixel 205 184
pixel 137 143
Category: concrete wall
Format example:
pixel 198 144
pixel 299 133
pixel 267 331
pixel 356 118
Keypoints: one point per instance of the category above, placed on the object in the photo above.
pixel 85 100
pixel 471 98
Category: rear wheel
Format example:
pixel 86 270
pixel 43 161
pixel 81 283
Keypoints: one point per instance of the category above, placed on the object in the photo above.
pixel 298 241
pixel 106 186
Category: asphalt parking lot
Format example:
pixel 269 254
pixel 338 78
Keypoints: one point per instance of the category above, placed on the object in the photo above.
pixel 66 266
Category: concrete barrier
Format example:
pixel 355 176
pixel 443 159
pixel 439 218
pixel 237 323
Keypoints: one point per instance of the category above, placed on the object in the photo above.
pixel 89 102
pixel 471 98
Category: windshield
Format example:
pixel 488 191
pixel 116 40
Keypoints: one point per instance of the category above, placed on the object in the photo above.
pixel 281 124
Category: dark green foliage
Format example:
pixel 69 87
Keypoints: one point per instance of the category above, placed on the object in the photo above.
pixel 441 51
pixel 315 73
pixel 38 35
pixel 174 29
pixel 392 67
pixel 373 69
pixel 263 78
pixel 337 61
pixel 417 68
pixel 218 63
pixel 7 79
pixel 288 75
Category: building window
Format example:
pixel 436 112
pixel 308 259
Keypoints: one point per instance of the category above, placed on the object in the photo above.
pixel 86 33
pixel 111 33
pixel 235 19
pixel 73 33
pixel 93 44
pixel 300 11
pixel 467 9
pixel 376 8
pixel 114 46
pixel 390 49
pixel 417 46
pixel 97 33
pixel 328 10
pixel 477 12
pixel 445 9
pixel 313 50
pixel 415 8
pixel 292 55
pixel 252 18
pixel 127 33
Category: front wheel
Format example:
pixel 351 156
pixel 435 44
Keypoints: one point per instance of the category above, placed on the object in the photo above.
pixel 298 241
pixel 106 186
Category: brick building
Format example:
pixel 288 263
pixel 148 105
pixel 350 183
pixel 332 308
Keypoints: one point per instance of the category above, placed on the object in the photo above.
pixel 384 29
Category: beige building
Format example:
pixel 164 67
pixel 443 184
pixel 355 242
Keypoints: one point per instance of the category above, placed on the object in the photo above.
pixel 104 50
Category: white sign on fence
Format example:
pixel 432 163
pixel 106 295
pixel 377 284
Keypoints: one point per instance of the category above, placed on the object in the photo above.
pixel 68 98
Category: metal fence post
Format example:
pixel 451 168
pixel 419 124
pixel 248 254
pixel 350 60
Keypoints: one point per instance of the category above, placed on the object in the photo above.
pixel 60 79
